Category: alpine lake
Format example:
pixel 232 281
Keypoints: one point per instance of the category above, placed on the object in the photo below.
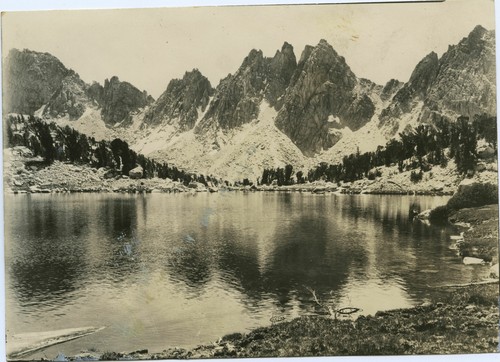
pixel 165 270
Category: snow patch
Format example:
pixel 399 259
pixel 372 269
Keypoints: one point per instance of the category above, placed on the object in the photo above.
pixel 90 124
pixel 232 155
pixel 365 139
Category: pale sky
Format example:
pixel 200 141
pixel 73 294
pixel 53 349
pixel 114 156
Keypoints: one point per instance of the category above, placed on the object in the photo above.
pixel 149 47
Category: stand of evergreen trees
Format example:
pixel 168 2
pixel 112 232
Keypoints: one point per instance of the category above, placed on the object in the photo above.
pixel 55 143
pixel 417 150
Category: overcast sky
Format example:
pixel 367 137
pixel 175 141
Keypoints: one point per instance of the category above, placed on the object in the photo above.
pixel 149 47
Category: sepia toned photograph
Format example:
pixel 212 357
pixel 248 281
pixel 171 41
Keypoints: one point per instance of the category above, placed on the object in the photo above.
pixel 292 180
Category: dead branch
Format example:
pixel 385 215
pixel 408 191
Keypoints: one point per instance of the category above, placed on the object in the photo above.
pixel 348 310
pixel 314 296
pixel 333 312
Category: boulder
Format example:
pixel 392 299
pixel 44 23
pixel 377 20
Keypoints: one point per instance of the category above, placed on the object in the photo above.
pixel 136 173
pixel 438 188
pixel 485 151
pixel 468 260
pixel 111 174
pixel 34 189
pixel 196 185
pixel 492 167
pixel 374 173
pixel 22 151
pixel 319 190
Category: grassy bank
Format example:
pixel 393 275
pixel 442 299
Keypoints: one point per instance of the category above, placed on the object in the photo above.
pixel 466 323
pixel 461 321
pixel 481 232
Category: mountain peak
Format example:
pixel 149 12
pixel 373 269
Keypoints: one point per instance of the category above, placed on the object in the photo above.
pixel 324 46
pixel 192 74
pixel 478 31
pixel 181 102
pixel 253 57
pixel 31 78
pixel 113 79
pixel 476 41
pixel 322 88
pixel 281 69
pixel 461 82
pixel 287 47
pixel 120 99
pixel 424 71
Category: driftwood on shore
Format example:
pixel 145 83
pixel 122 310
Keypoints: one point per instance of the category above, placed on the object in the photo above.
pixel 25 343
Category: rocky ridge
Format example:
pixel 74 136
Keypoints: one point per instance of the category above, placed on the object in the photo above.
pixel 238 97
pixel 38 83
pixel 461 82
pixel 119 100
pixel 321 110
pixel 322 95
pixel 182 102
pixel 30 80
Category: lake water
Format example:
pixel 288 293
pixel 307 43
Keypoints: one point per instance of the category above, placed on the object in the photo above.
pixel 164 270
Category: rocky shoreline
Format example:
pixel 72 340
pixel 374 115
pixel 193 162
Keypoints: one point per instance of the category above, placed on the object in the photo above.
pixel 25 174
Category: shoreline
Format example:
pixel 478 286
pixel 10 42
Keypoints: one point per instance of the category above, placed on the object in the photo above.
pixel 463 321
pixel 63 178
pixel 25 174
pixel 141 190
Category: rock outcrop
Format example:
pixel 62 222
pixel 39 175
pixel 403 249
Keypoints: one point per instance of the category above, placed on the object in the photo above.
pixel 39 81
pixel 465 84
pixel 182 103
pixel 323 94
pixel 281 69
pixel 120 100
pixel 408 96
pixel 136 173
pixel 30 80
pixel 238 97
pixel 70 99
pixel 461 82
pixel 390 88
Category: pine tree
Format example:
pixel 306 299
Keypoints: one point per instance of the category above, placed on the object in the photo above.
pixel 288 175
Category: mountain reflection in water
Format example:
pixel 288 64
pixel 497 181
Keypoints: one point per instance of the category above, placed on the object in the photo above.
pixel 176 270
